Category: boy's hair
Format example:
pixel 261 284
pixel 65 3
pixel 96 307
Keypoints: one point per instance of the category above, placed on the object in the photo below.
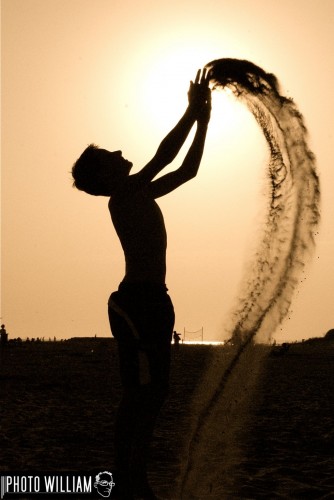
pixel 84 172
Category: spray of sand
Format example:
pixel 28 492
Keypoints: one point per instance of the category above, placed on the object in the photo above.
pixel 293 208
pixel 267 290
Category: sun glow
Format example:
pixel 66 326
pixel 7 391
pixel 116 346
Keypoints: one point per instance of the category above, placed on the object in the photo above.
pixel 164 90
pixel 155 96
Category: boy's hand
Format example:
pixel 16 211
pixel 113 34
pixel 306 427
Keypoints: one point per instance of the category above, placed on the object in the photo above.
pixel 199 96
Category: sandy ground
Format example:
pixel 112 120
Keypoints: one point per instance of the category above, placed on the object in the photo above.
pixel 270 433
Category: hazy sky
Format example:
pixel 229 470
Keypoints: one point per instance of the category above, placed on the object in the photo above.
pixel 116 73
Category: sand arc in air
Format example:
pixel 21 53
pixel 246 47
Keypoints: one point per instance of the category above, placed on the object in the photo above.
pixel 266 291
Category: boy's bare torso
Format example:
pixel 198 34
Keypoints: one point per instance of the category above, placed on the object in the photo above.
pixel 140 227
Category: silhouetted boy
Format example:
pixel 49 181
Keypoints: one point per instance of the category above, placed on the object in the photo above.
pixel 141 313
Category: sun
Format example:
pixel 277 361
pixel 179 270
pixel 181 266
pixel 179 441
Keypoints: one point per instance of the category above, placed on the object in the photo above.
pixel 164 90
pixel 156 89
pixel 167 75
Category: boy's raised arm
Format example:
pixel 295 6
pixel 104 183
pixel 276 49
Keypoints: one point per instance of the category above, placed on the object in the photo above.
pixel 172 143
pixel 191 163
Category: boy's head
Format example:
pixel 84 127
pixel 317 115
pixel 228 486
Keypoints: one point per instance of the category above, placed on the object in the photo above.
pixel 99 172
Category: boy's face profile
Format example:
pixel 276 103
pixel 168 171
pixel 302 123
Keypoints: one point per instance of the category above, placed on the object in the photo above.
pixel 114 160
pixel 113 168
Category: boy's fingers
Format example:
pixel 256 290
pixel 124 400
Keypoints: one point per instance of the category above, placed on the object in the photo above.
pixel 198 74
pixel 205 77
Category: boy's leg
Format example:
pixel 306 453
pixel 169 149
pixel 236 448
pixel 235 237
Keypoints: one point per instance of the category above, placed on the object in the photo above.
pixel 151 399
pixel 141 402
pixel 157 336
pixel 125 424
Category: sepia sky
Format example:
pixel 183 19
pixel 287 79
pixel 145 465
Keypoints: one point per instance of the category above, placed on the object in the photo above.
pixel 116 73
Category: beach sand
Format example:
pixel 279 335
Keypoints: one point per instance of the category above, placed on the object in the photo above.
pixel 59 399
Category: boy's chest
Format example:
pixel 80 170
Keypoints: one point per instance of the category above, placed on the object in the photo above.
pixel 138 216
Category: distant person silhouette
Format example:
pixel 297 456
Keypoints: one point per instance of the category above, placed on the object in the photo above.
pixel 176 337
pixel 141 313
pixel 3 335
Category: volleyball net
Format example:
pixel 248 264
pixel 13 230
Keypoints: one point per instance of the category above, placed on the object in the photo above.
pixel 196 336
